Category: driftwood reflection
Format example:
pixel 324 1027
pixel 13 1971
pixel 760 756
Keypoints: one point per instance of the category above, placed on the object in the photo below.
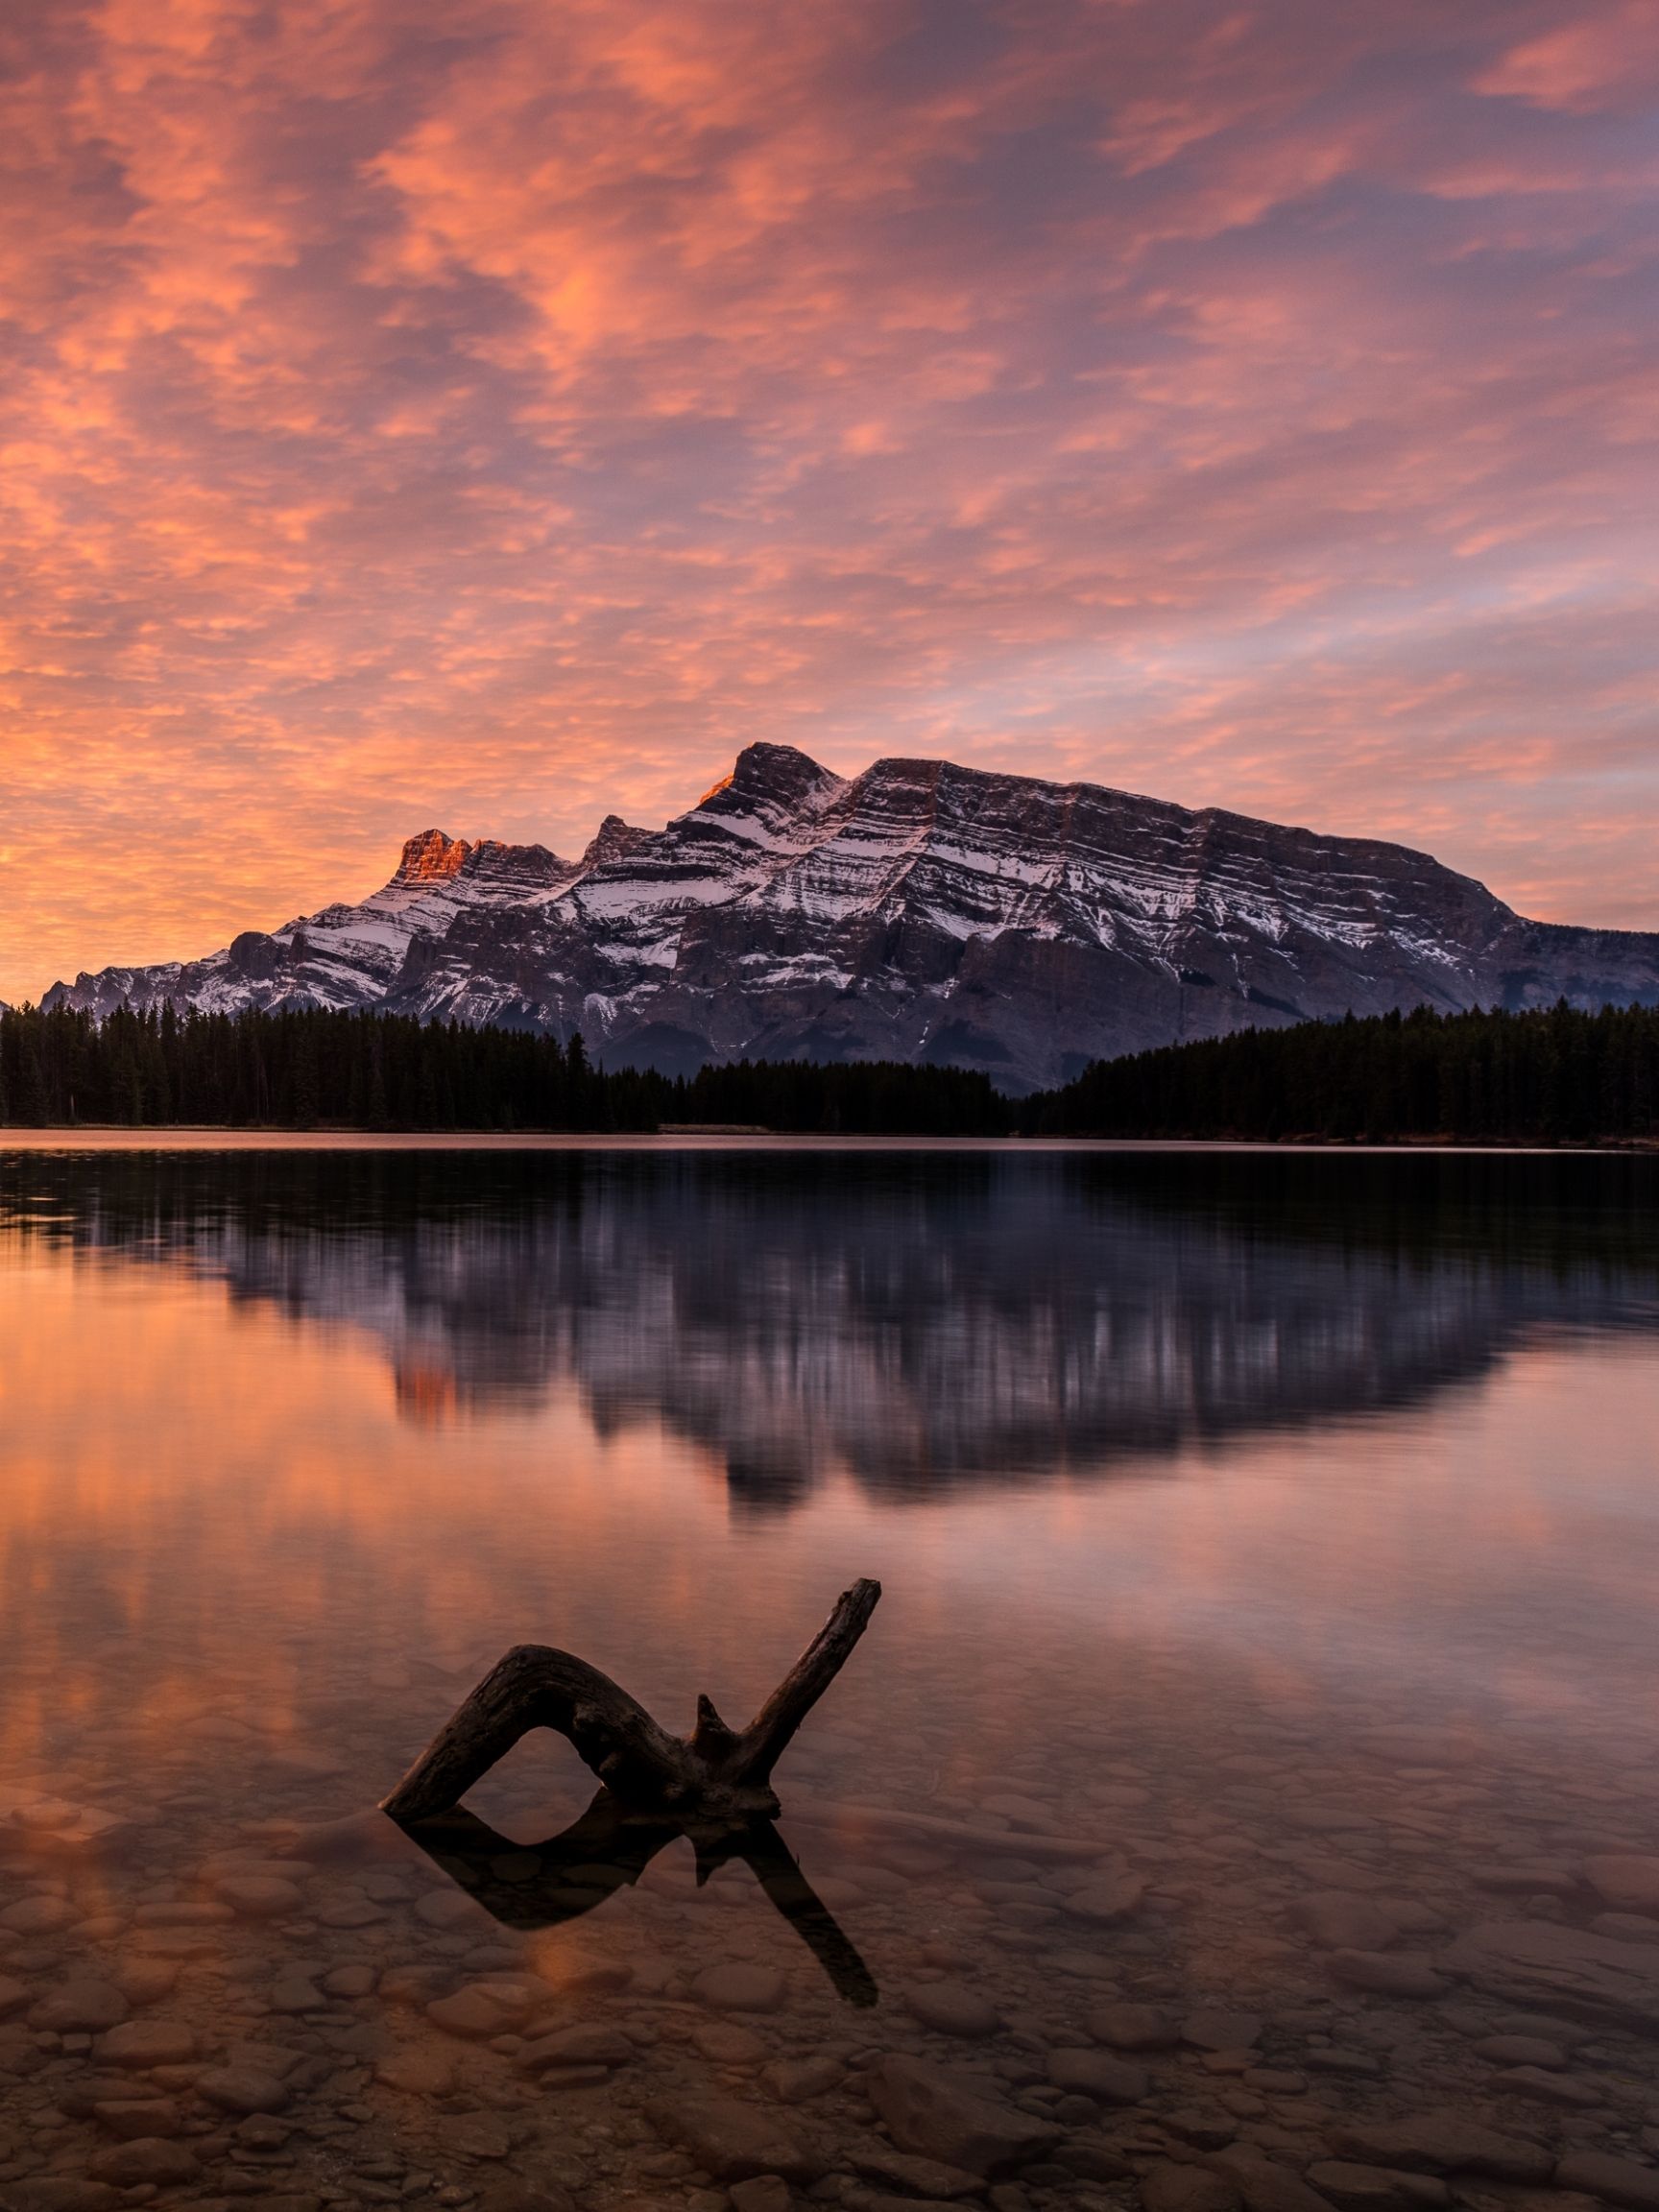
pixel 608 1848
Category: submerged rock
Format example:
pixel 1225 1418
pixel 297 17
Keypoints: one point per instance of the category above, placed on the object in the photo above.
pixel 955 2117
pixel 1109 1898
pixel 1628 1882
pixel 1615 2181
pixel 1131 2027
pixel 1171 2188
pixel 418 2072
pixel 1540 1963
pixel 1265 2185
pixel 85 2008
pixel 952 2009
pixel 1214 2029
pixel 244 2089
pixel 1097 2074
pixel 1388 1974
pixel 1376 2188
pixel 1442 2142
pixel 144 2043
pixel 734 1987
pixel 1340 1921
pixel 734 2140
pixel 154 2160
pixel 62 2192
pixel 581 2045
pixel 797 2080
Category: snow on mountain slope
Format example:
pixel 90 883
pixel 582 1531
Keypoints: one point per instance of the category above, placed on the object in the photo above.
pixel 344 956
pixel 919 911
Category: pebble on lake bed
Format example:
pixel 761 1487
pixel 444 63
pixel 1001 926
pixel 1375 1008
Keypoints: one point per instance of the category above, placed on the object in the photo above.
pixel 1106 1899
pixel 81 2009
pixel 1342 1921
pixel 1628 1882
pixel 951 2008
pixel 144 2043
pixel 1388 1973
pixel 797 2080
pixel 955 2117
pixel 150 2160
pixel 260 1897
pixel 1129 2027
pixel 1167 2187
pixel 722 2042
pixel 1214 2027
pixel 418 2072
pixel 1097 2074
pixel 732 2139
pixel 1443 2141
pixel 735 1987
pixel 244 2088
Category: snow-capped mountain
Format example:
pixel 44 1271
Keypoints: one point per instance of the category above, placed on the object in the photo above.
pixel 919 911
pixel 344 955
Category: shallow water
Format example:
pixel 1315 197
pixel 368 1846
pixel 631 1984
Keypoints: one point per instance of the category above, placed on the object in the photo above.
pixel 1281 1534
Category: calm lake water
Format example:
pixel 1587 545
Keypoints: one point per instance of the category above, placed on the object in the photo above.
pixel 1272 1543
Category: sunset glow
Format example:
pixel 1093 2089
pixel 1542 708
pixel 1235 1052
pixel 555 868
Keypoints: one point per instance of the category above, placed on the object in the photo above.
pixel 494 417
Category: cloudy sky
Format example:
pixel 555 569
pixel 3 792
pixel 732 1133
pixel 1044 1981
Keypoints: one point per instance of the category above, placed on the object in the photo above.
pixel 495 414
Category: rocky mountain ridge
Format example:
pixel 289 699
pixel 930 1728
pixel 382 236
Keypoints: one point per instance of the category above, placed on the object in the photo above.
pixel 919 911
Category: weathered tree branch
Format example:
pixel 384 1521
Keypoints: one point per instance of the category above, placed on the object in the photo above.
pixel 762 1743
pixel 716 1773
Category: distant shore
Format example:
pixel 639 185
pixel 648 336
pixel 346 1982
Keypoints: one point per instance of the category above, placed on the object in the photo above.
pixel 121 1137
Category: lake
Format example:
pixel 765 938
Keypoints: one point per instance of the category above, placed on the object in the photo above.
pixel 1245 1793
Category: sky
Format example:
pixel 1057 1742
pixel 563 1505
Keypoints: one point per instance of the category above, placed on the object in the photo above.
pixel 494 415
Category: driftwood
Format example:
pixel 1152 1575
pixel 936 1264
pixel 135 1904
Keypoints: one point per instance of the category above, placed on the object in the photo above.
pixel 713 1786
pixel 542 1885
pixel 715 1774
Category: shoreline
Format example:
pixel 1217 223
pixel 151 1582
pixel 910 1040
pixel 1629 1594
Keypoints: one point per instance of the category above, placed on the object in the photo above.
pixel 182 1139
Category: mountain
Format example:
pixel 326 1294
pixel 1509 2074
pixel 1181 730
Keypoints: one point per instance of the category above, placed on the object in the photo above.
pixel 919 911
pixel 343 956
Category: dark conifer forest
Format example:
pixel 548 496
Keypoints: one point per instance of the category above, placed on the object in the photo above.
pixel 1555 1076
pixel 1558 1076
pixel 319 1071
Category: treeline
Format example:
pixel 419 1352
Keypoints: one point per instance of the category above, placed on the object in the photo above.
pixel 1555 1076
pixel 319 1071
pixel 886 1097
pixel 1558 1076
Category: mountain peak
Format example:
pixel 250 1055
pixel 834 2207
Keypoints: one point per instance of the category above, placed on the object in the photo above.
pixel 778 773
pixel 432 858
pixel 616 839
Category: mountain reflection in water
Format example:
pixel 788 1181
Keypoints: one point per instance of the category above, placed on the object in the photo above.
pixel 925 1323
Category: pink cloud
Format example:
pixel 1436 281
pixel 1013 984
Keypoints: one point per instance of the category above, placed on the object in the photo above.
pixel 1599 58
pixel 500 422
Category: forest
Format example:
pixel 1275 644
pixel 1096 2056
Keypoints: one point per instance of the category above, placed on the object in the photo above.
pixel 1552 1076
pixel 311 1069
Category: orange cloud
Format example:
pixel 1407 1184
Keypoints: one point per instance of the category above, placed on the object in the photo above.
pixel 501 426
